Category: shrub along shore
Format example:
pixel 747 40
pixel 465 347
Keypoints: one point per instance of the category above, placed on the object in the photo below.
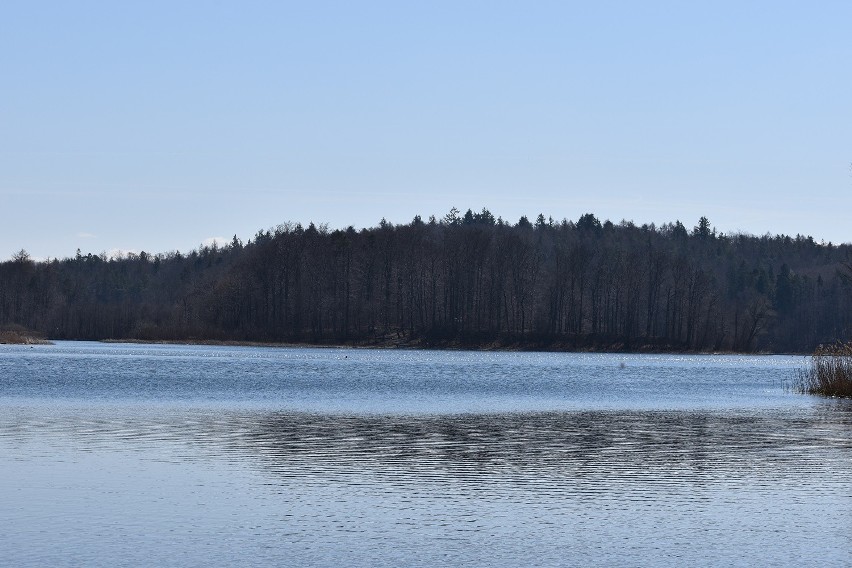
pixel 20 336
pixel 829 372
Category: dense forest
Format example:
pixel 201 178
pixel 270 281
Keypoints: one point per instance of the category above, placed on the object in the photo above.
pixel 464 280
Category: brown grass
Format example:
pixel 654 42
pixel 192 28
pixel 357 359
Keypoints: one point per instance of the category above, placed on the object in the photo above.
pixel 18 335
pixel 829 372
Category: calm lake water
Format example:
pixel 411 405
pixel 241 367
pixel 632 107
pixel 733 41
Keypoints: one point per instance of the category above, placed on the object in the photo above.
pixel 128 455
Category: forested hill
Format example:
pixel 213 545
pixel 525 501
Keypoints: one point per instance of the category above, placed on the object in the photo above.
pixel 466 280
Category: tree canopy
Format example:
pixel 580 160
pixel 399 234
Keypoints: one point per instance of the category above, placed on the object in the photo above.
pixel 468 279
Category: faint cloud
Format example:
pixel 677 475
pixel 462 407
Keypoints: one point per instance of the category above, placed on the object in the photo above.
pixel 83 235
pixel 218 241
pixel 119 254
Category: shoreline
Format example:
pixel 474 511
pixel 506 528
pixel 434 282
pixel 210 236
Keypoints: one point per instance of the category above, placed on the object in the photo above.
pixel 16 338
pixel 419 345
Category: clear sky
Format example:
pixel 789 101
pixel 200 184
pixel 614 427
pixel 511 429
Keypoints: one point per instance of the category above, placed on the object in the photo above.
pixel 157 125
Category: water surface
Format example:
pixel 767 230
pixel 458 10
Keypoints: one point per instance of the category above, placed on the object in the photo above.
pixel 197 456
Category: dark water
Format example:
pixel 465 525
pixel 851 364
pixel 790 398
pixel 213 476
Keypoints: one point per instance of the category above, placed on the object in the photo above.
pixel 131 455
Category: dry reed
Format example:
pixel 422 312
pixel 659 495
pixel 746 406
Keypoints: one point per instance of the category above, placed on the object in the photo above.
pixel 829 372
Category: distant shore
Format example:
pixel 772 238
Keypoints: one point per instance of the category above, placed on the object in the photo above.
pixel 387 343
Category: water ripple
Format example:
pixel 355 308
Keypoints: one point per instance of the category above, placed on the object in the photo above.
pixel 197 467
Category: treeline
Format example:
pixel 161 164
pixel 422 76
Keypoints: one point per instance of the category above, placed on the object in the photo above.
pixel 469 280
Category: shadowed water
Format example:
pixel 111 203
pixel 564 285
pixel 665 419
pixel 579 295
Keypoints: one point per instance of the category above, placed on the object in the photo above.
pixel 187 456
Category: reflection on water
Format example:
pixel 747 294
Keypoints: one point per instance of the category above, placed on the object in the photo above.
pixel 562 488
pixel 210 475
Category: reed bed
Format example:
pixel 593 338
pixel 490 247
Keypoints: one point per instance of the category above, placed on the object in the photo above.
pixel 829 372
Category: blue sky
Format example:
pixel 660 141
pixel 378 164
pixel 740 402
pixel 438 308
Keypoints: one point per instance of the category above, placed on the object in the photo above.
pixel 157 125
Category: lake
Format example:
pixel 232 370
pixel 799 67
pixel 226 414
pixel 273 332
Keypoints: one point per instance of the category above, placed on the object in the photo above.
pixel 166 455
